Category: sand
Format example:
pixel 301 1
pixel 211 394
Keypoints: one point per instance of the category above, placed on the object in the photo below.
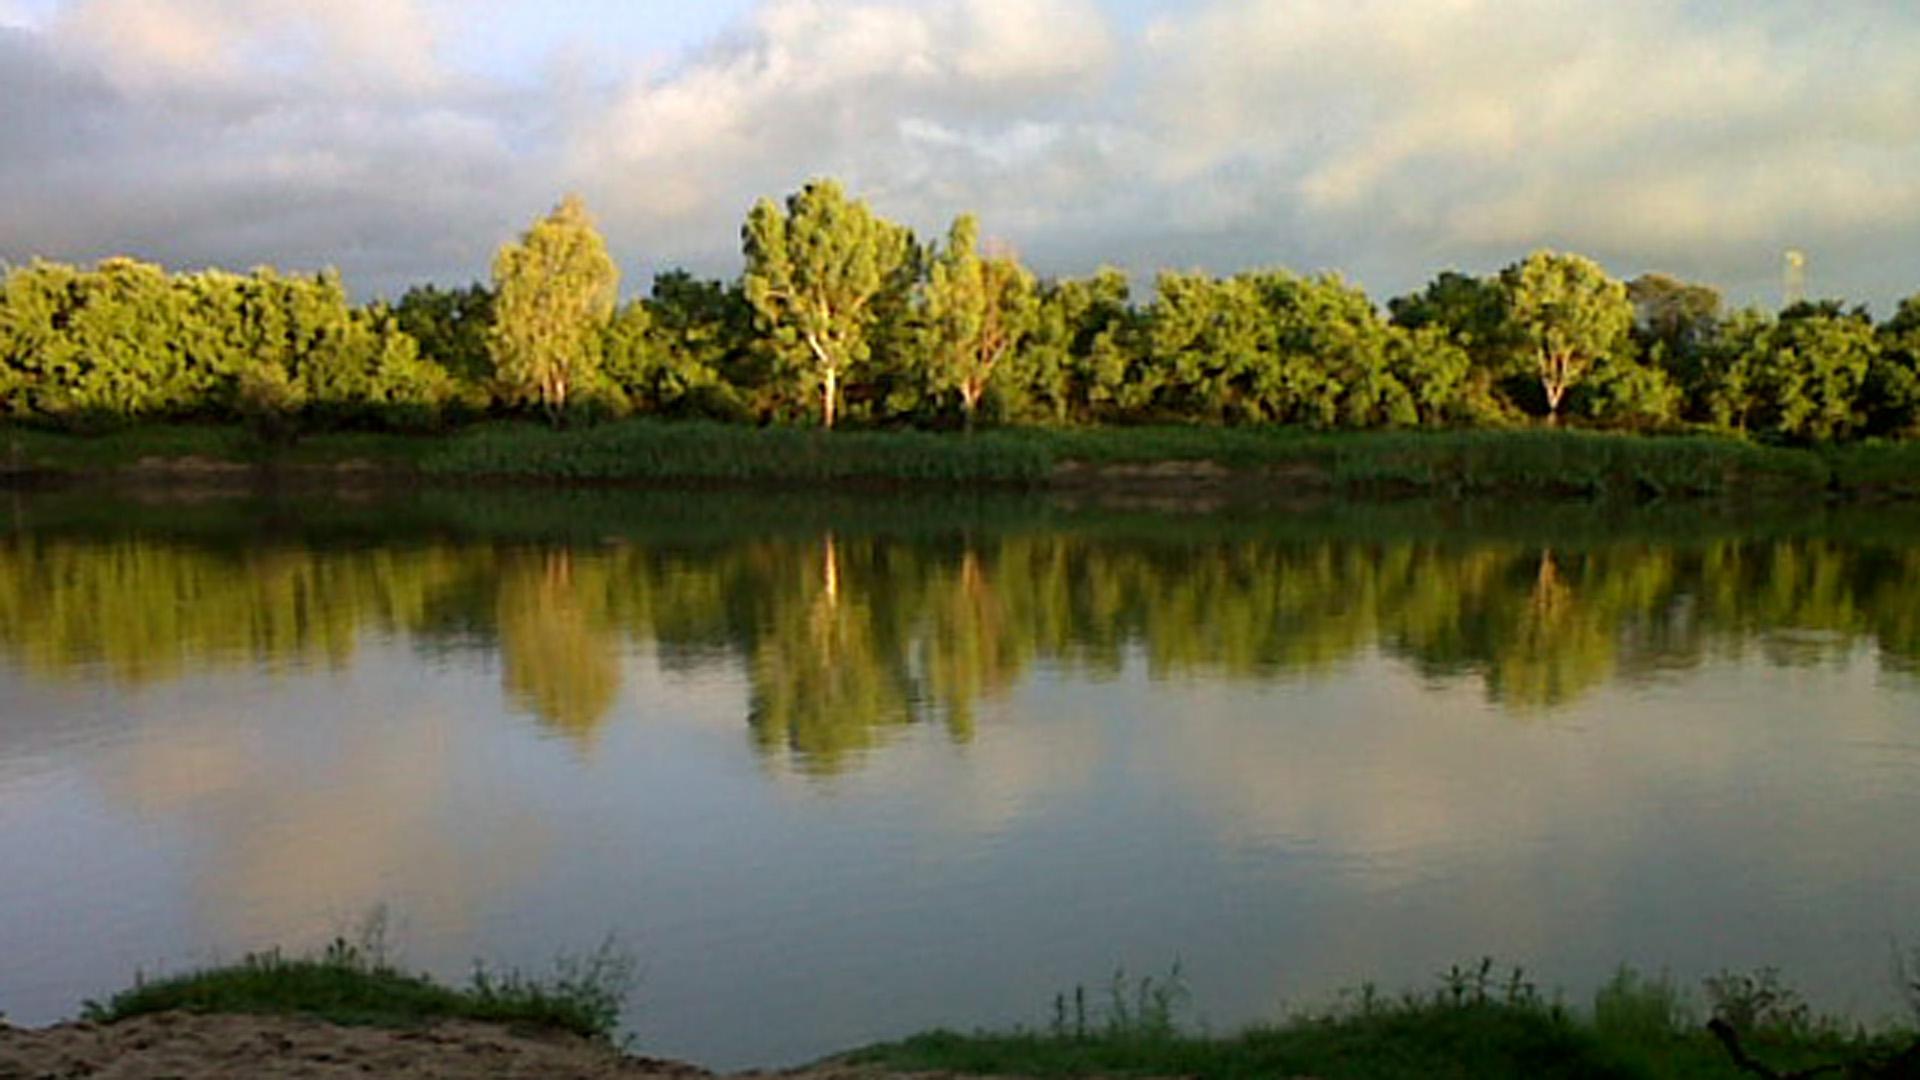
pixel 183 1045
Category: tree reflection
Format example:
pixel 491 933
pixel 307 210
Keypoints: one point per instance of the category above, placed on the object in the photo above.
pixel 826 680
pixel 846 639
pixel 559 652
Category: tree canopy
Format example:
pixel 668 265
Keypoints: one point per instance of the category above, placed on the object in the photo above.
pixel 840 316
pixel 554 291
pixel 819 273
pixel 1571 315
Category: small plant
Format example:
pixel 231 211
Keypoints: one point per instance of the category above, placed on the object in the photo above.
pixel 586 992
pixel 1758 1002
pixel 1143 1008
pixel 1481 984
pixel 1906 979
pixel 1643 1007
pixel 1149 1007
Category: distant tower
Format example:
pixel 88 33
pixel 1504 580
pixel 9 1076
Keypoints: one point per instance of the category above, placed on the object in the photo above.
pixel 1793 278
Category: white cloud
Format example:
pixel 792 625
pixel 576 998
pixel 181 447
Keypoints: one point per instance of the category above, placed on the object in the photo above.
pixel 344 47
pixel 920 107
pixel 1386 138
pixel 1642 128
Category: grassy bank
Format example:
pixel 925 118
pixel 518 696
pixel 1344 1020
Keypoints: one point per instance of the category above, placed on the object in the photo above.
pixel 1478 1024
pixel 350 983
pixel 1530 462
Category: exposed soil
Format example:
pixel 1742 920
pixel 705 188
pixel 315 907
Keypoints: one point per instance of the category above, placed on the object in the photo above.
pixel 193 1047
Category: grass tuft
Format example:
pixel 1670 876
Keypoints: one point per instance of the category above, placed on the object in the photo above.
pixel 350 983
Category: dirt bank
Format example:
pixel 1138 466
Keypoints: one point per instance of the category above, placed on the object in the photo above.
pixel 186 1046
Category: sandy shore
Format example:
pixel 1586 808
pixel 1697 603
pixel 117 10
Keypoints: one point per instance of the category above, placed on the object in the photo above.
pixel 181 1045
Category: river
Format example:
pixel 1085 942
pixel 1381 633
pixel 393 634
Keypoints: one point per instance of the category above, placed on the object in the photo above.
pixel 837 769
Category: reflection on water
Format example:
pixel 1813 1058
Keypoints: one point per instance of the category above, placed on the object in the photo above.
pixel 857 768
pixel 843 637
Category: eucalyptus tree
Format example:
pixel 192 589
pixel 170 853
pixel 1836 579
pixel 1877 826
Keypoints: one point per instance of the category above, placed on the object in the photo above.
pixel 554 293
pixel 978 309
pixel 1570 313
pixel 820 273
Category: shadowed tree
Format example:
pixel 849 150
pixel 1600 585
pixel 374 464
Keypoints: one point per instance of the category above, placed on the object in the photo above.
pixel 1571 314
pixel 1678 313
pixel 553 296
pixel 1469 313
pixel 819 273
pixel 1893 381
pixel 451 326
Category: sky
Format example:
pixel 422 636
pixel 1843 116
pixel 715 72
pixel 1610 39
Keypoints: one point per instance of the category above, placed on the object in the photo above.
pixel 403 140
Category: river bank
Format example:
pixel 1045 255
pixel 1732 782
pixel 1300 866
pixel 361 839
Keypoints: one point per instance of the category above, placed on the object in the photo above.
pixel 348 1012
pixel 1252 461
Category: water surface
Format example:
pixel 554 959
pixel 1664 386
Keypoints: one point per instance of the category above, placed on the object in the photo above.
pixel 837 770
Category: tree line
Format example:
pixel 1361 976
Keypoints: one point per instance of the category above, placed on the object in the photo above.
pixel 840 316
pixel 842 639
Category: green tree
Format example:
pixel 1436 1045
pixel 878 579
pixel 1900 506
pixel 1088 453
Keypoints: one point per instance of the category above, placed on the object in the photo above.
pixel 704 332
pixel 451 326
pixel 1802 377
pixel 1893 382
pixel 819 273
pixel 1082 360
pixel 977 311
pixel 1722 388
pixel 554 292
pixel 1471 314
pixel 1811 375
pixel 1570 313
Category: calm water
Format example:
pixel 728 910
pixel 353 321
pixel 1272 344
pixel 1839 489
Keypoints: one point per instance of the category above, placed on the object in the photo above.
pixel 841 771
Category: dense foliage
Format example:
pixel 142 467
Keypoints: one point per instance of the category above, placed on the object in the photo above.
pixel 841 315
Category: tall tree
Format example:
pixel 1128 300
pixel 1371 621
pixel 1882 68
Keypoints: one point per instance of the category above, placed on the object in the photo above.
pixel 978 310
pixel 1571 313
pixel 553 296
pixel 818 273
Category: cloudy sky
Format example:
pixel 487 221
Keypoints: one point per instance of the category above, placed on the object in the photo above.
pixel 402 140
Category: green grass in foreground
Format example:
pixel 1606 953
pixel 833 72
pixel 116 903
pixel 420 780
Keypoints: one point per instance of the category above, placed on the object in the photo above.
pixel 1477 1025
pixel 354 984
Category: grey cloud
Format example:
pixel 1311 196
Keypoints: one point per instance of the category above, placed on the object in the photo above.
pixel 927 110
pixel 390 190
pixel 1386 139
pixel 1643 131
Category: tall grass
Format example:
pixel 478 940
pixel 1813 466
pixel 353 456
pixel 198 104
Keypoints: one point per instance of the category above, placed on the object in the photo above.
pixel 698 450
pixel 1536 462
